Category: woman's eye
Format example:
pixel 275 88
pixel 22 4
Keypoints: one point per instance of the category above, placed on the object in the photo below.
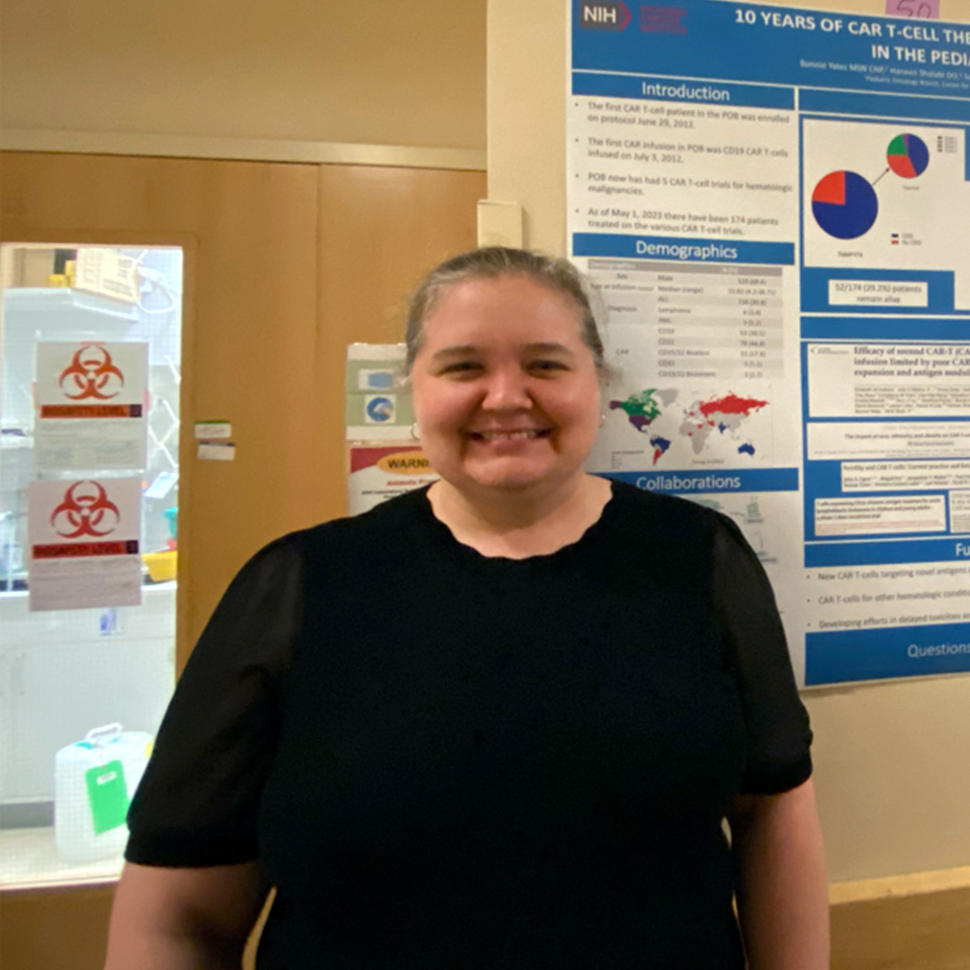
pixel 462 368
pixel 547 366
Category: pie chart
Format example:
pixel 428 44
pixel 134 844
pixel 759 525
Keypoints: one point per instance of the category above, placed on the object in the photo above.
pixel 908 156
pixel 844 205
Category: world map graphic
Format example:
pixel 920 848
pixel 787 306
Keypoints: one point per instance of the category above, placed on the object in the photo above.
pixel 655 412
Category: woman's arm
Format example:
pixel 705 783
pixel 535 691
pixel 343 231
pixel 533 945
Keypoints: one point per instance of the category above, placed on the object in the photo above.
pixel 782 891
pixel 184 919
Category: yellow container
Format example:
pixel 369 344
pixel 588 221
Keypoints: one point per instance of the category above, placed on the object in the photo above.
pixel 162 566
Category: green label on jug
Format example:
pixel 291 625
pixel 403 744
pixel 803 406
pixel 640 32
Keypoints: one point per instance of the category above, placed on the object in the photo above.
pixel 107 795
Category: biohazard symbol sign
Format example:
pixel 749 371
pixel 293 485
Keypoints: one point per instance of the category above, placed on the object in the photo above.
pixel 85 510
pixel 91 373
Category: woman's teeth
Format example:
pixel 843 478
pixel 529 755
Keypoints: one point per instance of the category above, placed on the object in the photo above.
pixel 496 435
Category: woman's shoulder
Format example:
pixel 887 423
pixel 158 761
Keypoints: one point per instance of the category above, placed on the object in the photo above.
pixel 341 550
pixel 674 510
pixel 386 523
pixel 683 530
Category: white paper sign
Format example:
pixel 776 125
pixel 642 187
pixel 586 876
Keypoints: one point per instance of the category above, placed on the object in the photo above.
pixel 73 584
pixel 212 430
pixel 377 405
pixel 91 403
pixel 216 451
pixel 83 536
pixel 379 472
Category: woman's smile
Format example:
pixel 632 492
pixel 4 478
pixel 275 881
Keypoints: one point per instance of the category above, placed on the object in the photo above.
pixel 511 434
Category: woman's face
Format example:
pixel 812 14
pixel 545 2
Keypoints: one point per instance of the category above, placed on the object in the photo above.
pixel 506 394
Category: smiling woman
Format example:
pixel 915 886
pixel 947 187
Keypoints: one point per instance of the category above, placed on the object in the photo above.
pixel 583 681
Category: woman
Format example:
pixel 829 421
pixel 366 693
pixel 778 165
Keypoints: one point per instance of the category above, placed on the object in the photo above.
pixel 495 723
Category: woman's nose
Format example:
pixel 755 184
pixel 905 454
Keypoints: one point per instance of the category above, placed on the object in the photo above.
pixel 507 388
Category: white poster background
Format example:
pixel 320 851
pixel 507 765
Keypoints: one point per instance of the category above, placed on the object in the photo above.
pixel 919 223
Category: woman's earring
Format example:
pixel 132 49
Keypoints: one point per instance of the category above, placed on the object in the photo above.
pixel 602 418
pixel 415 433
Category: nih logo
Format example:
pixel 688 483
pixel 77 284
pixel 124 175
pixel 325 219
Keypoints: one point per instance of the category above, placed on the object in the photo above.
pixel 605 15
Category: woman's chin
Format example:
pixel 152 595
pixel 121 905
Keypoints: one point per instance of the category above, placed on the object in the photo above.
pixel 510 475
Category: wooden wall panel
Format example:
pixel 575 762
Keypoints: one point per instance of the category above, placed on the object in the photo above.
pixel 66 929
pixel 927 931
pixel 57 930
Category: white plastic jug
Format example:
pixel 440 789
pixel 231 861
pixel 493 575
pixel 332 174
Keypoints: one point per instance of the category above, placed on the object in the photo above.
pixel 94 780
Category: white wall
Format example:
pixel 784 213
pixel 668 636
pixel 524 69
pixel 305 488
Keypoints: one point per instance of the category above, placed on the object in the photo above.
pixel 892 770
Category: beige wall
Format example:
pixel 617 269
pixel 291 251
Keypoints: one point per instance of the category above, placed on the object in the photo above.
pixel 892 773
pixel 391 72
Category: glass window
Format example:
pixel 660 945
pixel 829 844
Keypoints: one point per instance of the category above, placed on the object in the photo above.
pixel 90 361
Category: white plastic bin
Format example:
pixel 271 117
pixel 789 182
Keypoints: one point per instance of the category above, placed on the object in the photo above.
pixel 94 780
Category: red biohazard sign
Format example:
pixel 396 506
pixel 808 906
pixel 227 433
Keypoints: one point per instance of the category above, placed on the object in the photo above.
pixel 91 373
pixel 85 510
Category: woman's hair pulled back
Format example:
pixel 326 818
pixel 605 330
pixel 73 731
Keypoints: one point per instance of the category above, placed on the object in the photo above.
pixel 492 262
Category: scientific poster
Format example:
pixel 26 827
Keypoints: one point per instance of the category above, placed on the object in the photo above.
pixel 91 402
pixel 773 204
pixel 84 543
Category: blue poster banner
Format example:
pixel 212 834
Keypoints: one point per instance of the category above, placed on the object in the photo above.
pixel 775 45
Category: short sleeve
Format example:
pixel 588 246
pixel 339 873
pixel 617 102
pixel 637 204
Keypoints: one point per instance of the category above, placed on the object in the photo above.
pixel 776 722
pixel 198 801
